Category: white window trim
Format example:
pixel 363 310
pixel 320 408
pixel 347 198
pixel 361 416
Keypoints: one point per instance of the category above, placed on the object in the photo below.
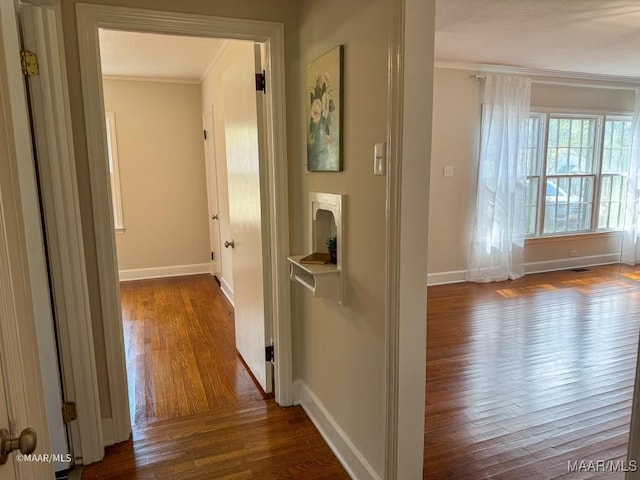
pixel 546 113
pixel 116 194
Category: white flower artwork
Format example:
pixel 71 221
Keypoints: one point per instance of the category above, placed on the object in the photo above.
pixel 324 112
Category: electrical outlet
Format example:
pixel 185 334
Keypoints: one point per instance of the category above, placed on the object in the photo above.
pixel 573 253
pixel 448 171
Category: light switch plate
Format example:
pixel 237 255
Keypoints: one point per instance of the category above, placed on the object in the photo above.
pixel 379 159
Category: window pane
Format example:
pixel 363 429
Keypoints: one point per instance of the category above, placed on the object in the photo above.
pixel 613 200
pixel 568 204
pixel 616 150
pixel 616 154
pixel 532 146
pixel 570 146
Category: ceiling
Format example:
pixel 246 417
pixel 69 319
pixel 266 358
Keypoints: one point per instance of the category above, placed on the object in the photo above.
pixel 134 54
pixel 586 36
pixel 580 36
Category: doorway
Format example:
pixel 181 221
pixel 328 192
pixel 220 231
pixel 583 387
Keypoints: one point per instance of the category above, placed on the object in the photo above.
pixel 90 17
pixel 155 95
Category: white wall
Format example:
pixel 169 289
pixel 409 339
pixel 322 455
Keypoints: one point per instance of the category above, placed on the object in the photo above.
pixel 212 97
pixel 339 352
pixel 456 131
pixel 162 175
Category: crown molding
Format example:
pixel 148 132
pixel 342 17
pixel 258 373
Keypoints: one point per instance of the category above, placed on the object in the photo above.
pixel 549 76
pixel 215 59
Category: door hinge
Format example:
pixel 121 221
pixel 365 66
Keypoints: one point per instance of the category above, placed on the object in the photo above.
pixel 69 412
pixel 269 355
pixel 205 134
pixel 29 63
pixel 261 82
pixel 213 256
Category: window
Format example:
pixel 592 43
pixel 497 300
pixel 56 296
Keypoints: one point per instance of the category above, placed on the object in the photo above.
pixel 616 156
pixel 577 167
pixel 114 172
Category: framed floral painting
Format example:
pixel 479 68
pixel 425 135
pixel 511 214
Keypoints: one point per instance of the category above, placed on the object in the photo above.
pixel 324 112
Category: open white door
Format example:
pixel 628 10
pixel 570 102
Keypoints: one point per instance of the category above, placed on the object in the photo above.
pixel 7 471
pixel 51 116
pixel 246 213
pixel 212 193
pixel 22 394
pixel 34 20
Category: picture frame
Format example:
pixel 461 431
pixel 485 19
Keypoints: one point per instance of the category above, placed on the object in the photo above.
pixel 324 82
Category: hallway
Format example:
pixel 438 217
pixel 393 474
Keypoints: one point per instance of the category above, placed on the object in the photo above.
pixel 179 343
pixel 196 412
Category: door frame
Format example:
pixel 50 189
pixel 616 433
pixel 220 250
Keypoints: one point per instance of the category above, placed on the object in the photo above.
pixel 89 19
pixel 212 186
pixel 633 449
pixel 408 164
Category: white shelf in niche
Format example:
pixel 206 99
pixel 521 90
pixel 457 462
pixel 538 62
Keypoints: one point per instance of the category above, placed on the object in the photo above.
pixel 322 280
pixel 326 219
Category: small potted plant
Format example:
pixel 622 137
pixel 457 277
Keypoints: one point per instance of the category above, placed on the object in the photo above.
pixel 332 246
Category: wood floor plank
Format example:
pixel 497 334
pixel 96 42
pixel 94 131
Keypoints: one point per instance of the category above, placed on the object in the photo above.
pixel 196 412
pixel 527 375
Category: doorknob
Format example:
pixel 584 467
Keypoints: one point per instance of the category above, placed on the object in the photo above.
pixel 231 244
pixel 26 443
pixel 214 217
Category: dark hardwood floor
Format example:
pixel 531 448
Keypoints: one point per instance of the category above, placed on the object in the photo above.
pixel 523 378
pixel 196 412
pixel 526 376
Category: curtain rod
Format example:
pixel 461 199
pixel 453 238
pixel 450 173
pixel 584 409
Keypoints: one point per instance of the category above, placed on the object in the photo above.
pixel 571 84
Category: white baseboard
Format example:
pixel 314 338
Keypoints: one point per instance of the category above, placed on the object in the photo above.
pixel 343 448
pixel 457 276
pixel 442 278
pixel 108 433
pixel 159 272
pixel 573 262
pixel 296 392
pixel 227 290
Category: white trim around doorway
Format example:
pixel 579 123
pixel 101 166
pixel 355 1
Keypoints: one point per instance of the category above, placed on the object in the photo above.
pixel 409 139
pixel 89 19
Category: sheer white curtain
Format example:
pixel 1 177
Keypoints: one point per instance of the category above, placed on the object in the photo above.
pixel 497 245
pixel 631 240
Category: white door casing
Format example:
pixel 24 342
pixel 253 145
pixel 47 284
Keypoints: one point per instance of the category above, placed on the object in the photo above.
pixel 246 215
pixel 212 192
pixel 89 19
pixel 409 144
pixel 633 449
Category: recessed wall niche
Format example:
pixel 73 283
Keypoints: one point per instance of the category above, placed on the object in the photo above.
pixel 325 220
